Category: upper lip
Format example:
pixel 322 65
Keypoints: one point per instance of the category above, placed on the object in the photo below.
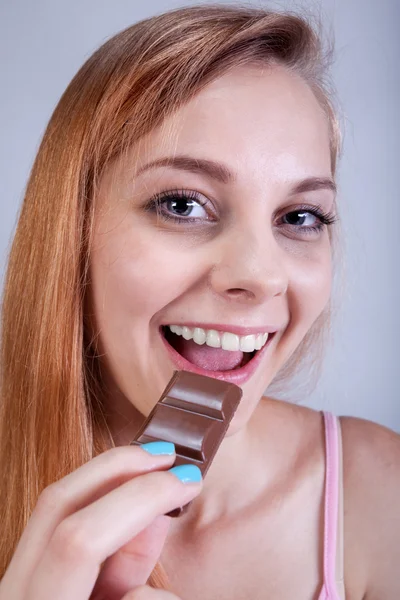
pixel 229 328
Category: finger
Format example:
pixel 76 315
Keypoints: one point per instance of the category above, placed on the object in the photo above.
pixel 71 562
pixel 71 493
pixel 137 557
pixel 146 592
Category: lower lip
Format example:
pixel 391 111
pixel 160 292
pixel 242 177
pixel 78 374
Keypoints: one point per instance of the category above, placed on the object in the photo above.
pixel 237 376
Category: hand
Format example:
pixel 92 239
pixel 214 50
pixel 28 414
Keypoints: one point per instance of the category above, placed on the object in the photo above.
pixel 110 510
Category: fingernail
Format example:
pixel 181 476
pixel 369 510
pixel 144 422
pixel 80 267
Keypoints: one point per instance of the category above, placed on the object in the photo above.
pixel 187 473
pixel 159 448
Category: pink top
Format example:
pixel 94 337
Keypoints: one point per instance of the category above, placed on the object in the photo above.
pixel 333 585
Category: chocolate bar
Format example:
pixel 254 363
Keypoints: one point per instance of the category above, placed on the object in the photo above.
pixel 194 413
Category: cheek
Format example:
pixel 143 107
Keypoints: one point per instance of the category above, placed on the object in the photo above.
pixel 311 284
pixel 308 295
pixel 134 276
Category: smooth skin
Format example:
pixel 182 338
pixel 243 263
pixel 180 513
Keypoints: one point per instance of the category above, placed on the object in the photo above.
pixel 255 530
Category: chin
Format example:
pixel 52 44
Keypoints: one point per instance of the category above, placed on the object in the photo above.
pixel 245 412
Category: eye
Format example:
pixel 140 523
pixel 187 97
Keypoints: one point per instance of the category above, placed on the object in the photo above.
pixel 308 219
pixel 184 207
pixel 179 206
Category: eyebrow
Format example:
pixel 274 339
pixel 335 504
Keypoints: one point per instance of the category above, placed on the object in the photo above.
pixel 221 173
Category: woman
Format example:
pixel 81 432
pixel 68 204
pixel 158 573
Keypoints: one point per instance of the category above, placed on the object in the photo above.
pixel 187 179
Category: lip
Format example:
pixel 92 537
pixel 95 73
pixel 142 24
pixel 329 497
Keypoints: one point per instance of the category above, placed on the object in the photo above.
pixel 237 376
pixel 231 328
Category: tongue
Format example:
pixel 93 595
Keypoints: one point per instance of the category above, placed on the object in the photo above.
pixel 211 359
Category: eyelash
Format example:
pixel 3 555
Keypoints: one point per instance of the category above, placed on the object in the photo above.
pixel 154 204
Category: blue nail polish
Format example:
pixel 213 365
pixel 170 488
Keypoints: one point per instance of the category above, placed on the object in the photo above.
pixel 187 473
pixel 159 448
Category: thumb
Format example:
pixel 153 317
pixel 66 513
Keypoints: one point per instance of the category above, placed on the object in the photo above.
pixel 133 563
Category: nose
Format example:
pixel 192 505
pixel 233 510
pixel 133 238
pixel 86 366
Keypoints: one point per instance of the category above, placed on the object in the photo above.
pixel 249 268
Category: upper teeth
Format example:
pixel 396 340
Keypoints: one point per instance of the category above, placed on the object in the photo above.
pixel 221 339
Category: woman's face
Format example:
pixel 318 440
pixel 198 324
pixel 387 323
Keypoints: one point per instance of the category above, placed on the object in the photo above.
pixel 239 254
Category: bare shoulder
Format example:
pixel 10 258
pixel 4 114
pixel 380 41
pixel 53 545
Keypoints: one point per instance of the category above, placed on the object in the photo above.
pixel 371 467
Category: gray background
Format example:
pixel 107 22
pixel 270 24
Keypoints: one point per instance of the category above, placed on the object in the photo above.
pixel 43 43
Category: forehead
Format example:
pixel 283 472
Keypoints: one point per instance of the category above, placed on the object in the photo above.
pixel 259 119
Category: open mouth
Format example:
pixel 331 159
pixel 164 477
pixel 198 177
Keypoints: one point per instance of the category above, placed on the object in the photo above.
pixel 235 366
pixel 208 357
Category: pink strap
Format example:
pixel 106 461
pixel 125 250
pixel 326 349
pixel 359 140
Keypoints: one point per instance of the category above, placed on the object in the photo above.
pixel 333 585
pixel 331 502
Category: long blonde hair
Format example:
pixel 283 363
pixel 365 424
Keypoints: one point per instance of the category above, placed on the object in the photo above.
pixel 51 419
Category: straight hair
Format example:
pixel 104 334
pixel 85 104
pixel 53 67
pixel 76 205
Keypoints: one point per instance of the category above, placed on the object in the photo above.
pixel 51 414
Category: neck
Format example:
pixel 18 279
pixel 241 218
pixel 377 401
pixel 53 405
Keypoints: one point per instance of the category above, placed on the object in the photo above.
pixel 238 476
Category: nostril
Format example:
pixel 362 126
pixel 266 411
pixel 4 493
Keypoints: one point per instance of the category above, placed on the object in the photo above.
pixel 238 292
